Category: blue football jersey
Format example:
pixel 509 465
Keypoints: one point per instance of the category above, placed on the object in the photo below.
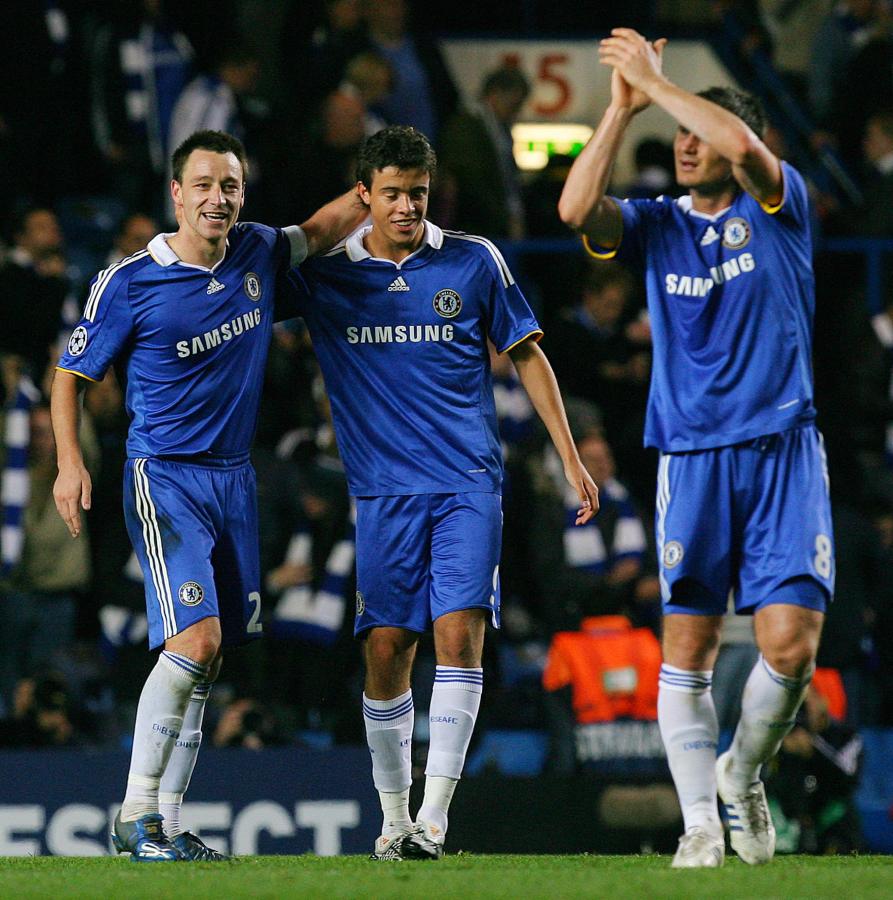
pixel 192 341
pixel 403 350
pixel 731 299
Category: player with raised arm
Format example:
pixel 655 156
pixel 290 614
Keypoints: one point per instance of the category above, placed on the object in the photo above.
pixel 400 315
pixel 742 494
pixel 189 319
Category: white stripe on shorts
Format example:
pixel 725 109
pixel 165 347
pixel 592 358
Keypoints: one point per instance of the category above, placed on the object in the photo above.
pixel 154 550
pixel 663 503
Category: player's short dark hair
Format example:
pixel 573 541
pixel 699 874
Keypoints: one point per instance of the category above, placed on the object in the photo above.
pixel 747 107
pixel 400 146
pixel 215 142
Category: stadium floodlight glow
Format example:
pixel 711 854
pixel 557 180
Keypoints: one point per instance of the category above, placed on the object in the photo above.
pixel 535 142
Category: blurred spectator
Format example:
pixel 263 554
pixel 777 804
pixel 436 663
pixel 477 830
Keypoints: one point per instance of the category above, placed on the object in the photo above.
pixel 369 77
pixel 313 67
pixel 601 351
pixel 323 164
pixel 249 724
pixel 601 699
pixel 518 422
pixel 35 284
pixel 133 235
pixel 792 25
pixel 41 715
pixel 39 600
pixel 812 780
pixel 541 200
pixel 423 94
pixel 222 101
pixel 477 164
pixel 138 69
pixel 600 568
pixel 44 131
pixel 848 28
pixel 875 217
pixel 653 159
pixel 861 590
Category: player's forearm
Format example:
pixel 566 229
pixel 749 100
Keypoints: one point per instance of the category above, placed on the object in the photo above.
pixel 583 204
pixel 65 408
pixel 334 221
pixel 723 130
pixel 539 381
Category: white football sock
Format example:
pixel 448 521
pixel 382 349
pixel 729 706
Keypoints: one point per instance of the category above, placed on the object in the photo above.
pixel 768 710
pixel 689 730
pixel 159 720
pixel 455 701
pixel 389 736
pixel 181 764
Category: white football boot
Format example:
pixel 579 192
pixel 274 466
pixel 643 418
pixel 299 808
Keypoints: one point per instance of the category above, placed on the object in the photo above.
pixel 425 841
pixel 389 847
pixel 751 832
pixel 700 849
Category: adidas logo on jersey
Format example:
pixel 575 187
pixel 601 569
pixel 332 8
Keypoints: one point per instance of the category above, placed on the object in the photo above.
pixel 710 237
pixel 215 286
pixel 398 284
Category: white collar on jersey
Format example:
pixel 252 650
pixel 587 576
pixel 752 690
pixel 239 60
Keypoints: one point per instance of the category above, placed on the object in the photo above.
pixel 356 251
pixel 162 252
pixel 684 203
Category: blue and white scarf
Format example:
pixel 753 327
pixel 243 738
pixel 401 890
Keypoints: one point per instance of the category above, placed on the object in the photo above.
pixel 316 615
pixel 15 485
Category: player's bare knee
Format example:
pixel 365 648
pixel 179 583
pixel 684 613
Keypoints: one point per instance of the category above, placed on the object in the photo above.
pixel 201 642
pixel 459 639
pixel 690 642
pixel 794 659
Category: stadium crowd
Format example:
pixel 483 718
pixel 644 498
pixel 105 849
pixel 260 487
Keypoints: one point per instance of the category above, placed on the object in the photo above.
pixel 118 85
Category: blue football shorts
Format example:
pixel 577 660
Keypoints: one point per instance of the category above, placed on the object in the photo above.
pixel 194 530
pixel 754 518
pixel 422 555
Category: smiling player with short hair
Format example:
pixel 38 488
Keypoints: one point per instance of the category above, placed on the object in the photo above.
pixel 189 319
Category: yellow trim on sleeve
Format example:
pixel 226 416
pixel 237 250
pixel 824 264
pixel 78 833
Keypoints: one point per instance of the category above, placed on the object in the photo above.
pixel 536 335
pixel 772 209
pixel 608 254
pixel 79 374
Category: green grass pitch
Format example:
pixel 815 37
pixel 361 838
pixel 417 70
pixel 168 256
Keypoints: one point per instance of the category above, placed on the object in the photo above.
pixel 462 876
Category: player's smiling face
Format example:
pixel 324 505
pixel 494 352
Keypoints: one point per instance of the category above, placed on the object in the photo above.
pixel 398 201
pixel 698 165
pixel 212 192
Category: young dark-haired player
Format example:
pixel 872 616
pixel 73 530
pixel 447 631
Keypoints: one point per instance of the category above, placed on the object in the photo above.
pixel 400 315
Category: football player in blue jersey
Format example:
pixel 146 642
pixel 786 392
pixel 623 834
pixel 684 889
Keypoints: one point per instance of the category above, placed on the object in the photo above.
pixel 742 498
pixel 400 316
pixel 189 319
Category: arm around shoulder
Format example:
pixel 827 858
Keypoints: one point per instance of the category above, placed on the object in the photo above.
pixel 332 223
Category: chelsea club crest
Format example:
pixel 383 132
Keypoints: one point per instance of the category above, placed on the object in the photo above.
pixel 447 303
pixel 252 286
pixel 191 593
pixel 361 604
pixel 735 233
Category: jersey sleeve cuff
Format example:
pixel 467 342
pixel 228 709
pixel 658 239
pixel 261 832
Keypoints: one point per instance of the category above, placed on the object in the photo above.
pixel 298 243
pixel 599 252
pixel 773 208
pixel 533 336
pixel 79 374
